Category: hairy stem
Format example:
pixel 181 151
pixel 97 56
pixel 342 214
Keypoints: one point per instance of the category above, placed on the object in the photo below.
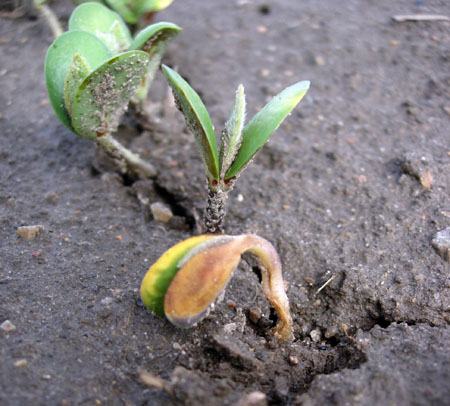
pixel 50 17
pixel 215 210
pixel 131 161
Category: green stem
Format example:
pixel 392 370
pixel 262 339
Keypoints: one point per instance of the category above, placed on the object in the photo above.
pixel 49 16
pixel 132 161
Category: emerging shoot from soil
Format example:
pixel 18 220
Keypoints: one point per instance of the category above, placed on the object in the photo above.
pixel 188 279
pixel 238 144
pixel 94 70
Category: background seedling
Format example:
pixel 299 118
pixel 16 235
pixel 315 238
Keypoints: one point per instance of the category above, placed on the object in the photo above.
pixel 95 69
pixel 190 277
pixel 238 143
pixel 132 10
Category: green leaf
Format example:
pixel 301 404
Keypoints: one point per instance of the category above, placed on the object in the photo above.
pixel 153 40
pixel 153 36
pixel 258 131
pixel 59 60
pixel 107 25
pixel 197 119
pixel 232 135
pixel 104 94
pixel 77 72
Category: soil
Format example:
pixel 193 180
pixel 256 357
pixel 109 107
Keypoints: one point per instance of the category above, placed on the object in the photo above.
pixel 352 190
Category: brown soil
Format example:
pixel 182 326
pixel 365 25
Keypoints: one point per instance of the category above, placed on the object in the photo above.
pixel 351 190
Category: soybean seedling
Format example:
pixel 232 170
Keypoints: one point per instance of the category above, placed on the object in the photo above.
pixel 238 143
pixel 132 10
pixel 95 68
pixel 187 280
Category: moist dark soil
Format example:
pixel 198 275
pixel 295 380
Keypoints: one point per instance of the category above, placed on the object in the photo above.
pixel 353 191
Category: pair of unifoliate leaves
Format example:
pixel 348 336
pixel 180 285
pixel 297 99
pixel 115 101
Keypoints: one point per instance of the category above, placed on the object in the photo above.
pixel 94 69
pixel 239 143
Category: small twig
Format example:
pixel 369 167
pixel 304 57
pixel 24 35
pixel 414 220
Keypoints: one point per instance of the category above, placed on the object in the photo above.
pixel 326 283
pixel 127 320
pixel 419 17
pixel 154 381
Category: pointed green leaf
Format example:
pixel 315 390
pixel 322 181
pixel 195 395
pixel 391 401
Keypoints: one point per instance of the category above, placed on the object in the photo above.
pixel 232 135
pixel 59 59
pixel 107 25
pixel 197 119
pixel 77 72
pixel 153 40
pixel 258 131
pixel 104 94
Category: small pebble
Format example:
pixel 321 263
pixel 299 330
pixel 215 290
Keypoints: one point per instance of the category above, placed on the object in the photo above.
pixel 254 398
pixel 106 301
pixel 441 243
pixel 293 360
pixel 319 60
pixel 415 164
pixel 176 346
pixel 229 328
pixel 262 29
pixel 29 232
pixel 306 328
pixel 231 304
pixel 161 212
pixel 7 326
pixel 315 335
pixel 331 331
pixel 254 314
pixel 21 363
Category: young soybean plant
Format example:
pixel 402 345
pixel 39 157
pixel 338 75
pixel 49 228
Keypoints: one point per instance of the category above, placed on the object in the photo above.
pixel 187 280
pixel 131 10
pixel 238 143
pixel 94 70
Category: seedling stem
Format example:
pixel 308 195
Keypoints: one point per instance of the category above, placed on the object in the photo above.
pixel 49 16
pixel 129 160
